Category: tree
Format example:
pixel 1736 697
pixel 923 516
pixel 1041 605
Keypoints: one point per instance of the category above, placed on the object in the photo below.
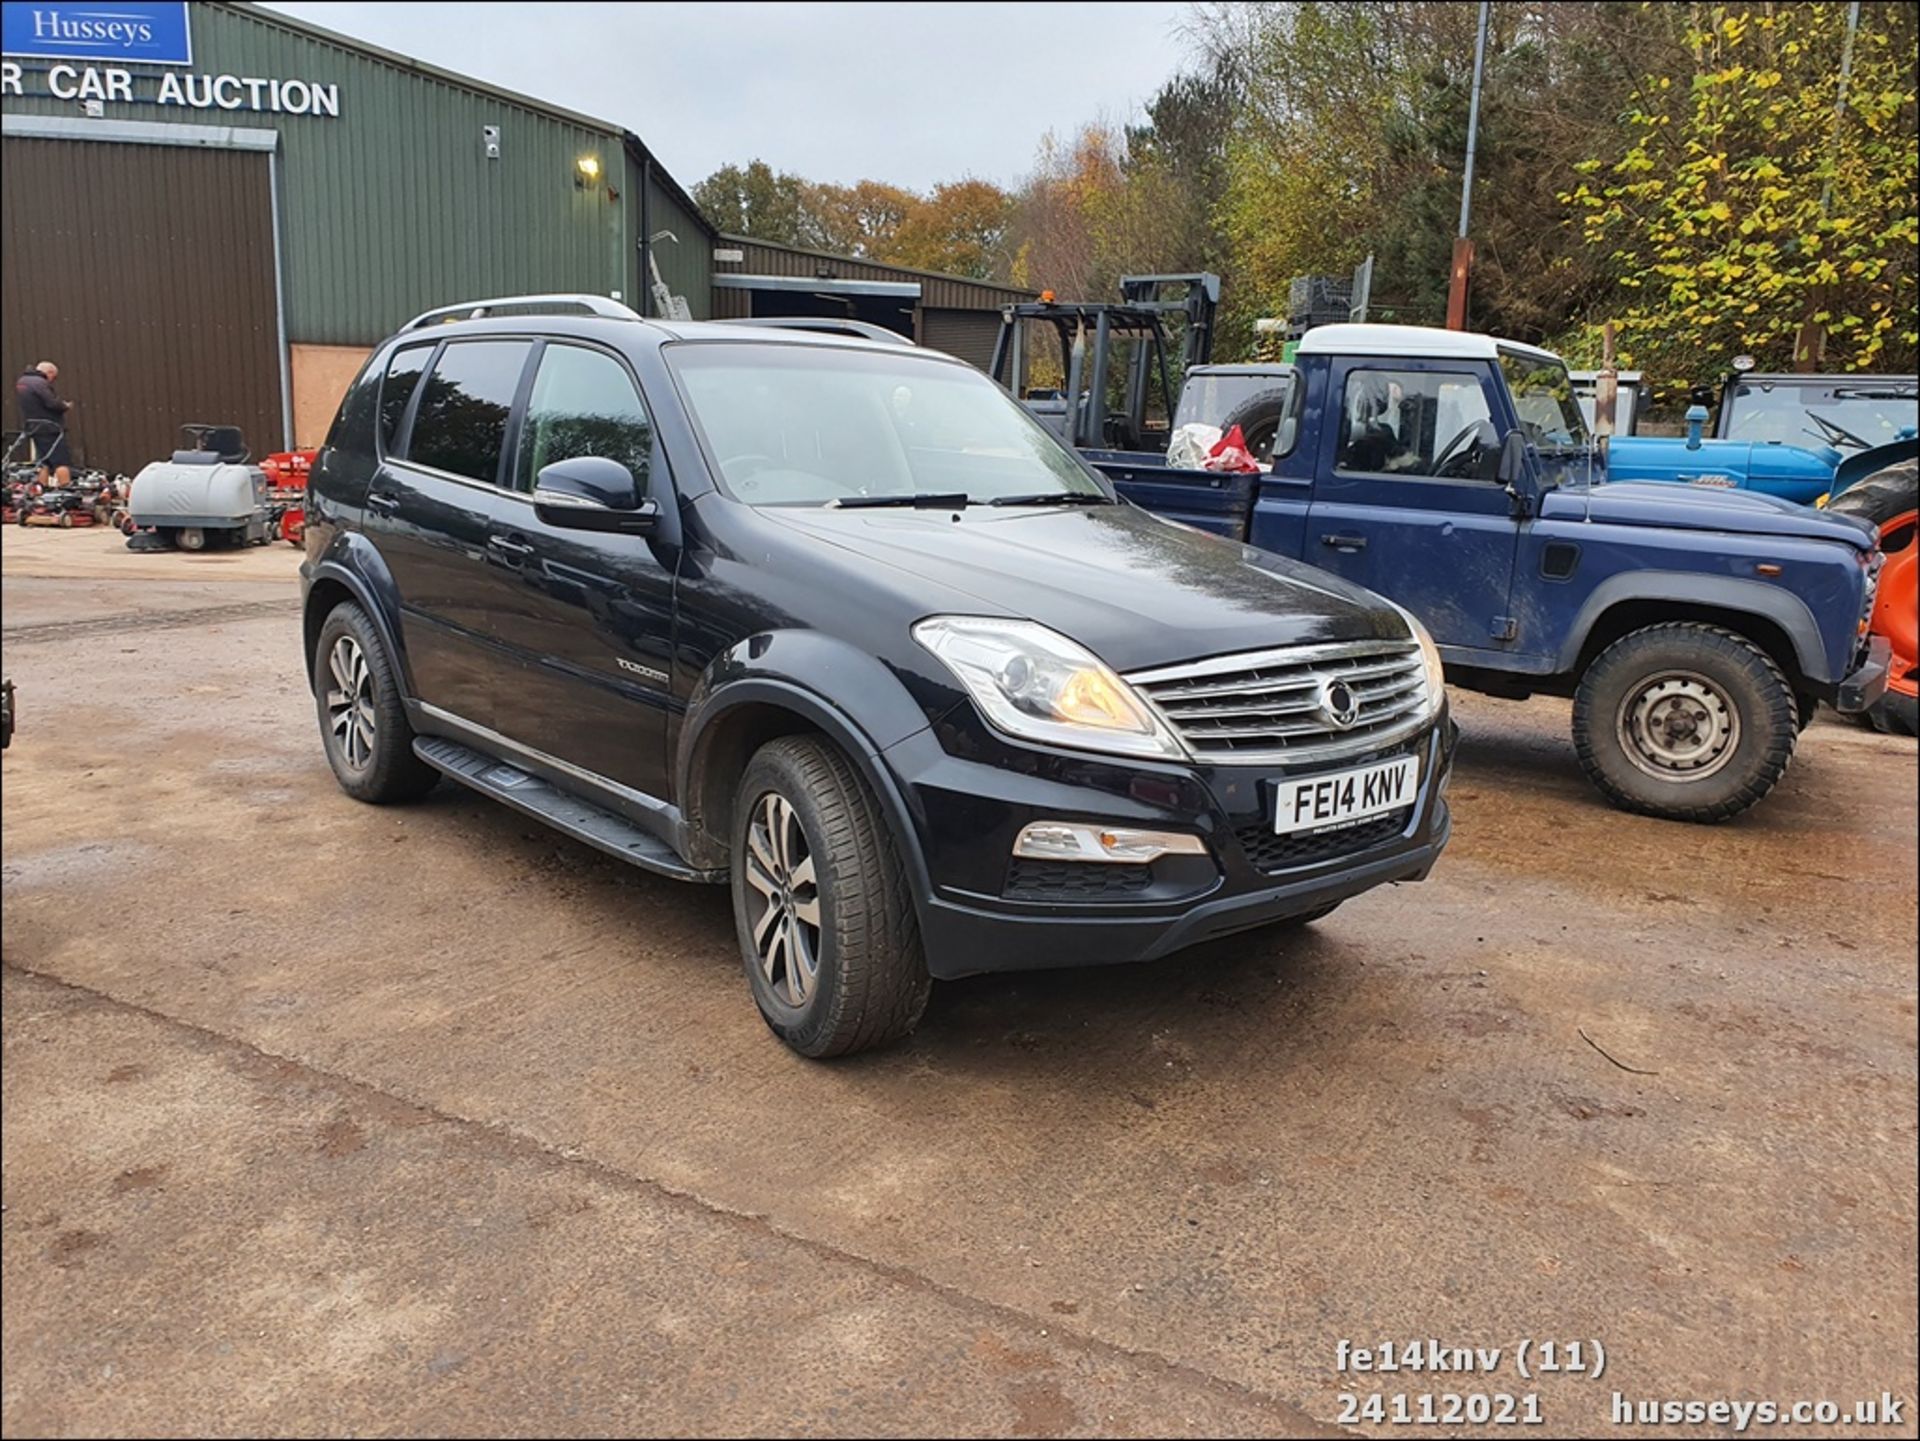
pixel 1744 209
pixel 959 229
pixel 859 219
pixel 754 201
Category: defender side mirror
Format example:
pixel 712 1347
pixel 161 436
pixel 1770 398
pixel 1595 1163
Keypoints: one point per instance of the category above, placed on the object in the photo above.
pixel 1513 460
pixel 591 492
pixel 1512 475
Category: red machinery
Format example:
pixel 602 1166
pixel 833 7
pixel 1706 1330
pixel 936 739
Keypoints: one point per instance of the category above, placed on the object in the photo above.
pixel 286 472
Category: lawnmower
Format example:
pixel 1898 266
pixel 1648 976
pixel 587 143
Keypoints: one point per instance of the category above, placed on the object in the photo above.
pixel 286 472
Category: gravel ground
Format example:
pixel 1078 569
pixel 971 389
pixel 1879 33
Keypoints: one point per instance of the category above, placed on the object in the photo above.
pixel 319 1117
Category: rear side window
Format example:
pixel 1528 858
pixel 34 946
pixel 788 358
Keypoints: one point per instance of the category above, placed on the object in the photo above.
pixel 352 429
pixel 460 423
pixel 396 389
pixel 583 403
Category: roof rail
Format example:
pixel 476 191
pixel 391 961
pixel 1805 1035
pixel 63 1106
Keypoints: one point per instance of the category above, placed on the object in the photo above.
pixel 524 304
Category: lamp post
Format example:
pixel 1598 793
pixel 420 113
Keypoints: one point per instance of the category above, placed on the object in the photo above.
pixel 1462 270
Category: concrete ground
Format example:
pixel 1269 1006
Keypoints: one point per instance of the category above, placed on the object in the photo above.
pixel 323 1118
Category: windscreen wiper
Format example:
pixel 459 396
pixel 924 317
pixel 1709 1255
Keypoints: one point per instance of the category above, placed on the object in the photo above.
pixel 1054 497
pixel 915 500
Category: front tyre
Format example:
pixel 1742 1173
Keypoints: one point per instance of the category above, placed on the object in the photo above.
pixel 823 904
pixel 362 721
pixel 1685 721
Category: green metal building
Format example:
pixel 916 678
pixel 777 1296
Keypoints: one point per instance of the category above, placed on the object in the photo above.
pixel 223 238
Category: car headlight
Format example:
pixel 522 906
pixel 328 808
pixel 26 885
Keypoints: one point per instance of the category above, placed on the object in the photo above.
pixel 1429 659
pixel 1034 683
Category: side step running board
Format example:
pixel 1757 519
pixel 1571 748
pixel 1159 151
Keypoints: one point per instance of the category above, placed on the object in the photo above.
pixel 581 819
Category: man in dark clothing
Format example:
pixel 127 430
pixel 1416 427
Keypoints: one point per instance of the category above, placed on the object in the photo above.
pixel 43 415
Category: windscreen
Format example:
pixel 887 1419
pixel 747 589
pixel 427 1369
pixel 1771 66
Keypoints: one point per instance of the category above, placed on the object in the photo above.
pixel 812 425
pixel 1847 417
pixel 1544 402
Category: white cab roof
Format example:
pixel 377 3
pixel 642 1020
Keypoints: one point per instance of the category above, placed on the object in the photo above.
pixel 1410 340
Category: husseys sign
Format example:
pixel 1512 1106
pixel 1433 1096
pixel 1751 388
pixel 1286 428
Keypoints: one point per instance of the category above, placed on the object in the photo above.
pixel 126 30
pixel 136 33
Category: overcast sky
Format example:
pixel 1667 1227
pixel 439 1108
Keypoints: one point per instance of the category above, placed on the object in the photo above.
pixel 910 93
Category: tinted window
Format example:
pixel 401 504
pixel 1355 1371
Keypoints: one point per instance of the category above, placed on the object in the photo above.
pixel 583 403
pixel 352 428
pixel 1417 422
pixel 461 422
pixel 403 374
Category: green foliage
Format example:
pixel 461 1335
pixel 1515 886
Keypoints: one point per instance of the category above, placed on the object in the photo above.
pixel 1683 170
pixel 1742 212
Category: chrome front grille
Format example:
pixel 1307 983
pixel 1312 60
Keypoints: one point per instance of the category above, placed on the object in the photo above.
pixel 1271 705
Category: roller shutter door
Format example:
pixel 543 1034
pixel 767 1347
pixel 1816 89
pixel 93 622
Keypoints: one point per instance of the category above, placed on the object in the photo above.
pixel 146 272
pixel 966 334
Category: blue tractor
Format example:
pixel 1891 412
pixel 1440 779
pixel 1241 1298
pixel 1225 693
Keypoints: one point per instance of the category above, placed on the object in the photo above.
pixel 1847 442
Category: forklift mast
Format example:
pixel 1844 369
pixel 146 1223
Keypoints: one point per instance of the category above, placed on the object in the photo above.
pixel 1087 331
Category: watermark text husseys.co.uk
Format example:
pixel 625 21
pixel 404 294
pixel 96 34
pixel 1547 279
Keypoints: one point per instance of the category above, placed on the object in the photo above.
pixel 1885 1410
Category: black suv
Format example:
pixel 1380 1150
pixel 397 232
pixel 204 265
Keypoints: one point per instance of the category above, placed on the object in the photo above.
pixel 838 623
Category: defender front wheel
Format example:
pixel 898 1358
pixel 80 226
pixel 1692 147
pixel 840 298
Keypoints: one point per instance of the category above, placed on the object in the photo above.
pixel 1685 721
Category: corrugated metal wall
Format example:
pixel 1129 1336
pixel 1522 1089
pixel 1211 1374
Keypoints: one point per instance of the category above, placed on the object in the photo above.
pixel 937 292
pixel 146 273
pixel 393 207
pixel 686 264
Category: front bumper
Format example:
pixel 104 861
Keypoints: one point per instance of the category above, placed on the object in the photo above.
pixel 1861 690
pixel 969 792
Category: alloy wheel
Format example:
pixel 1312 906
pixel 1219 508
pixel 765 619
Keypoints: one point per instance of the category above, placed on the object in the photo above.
pixel 350 703
pixel 783 901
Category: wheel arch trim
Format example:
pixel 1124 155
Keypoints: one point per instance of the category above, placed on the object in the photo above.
pixel 1731 594
pixel 822 715
pixel 352 563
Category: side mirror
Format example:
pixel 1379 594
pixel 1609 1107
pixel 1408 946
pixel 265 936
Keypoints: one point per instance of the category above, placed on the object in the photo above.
pixel 1513 460
pixel 592 493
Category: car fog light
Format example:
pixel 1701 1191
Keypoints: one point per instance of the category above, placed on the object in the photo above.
pixel 1067 841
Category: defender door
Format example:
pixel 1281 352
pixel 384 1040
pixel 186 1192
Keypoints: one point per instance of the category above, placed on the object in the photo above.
pixel 1407 501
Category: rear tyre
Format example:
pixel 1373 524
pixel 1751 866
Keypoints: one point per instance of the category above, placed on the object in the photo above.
pixel 363 724
pixel 823 905
pixel 1685 721
pixel 1890 498
pixel 190 537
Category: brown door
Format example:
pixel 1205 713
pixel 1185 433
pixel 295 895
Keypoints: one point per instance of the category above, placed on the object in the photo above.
pixel 145 272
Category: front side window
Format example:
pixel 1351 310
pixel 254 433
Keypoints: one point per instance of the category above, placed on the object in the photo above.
pixel 461 422
pixel 1417 423
pixel 1544 401
pixel 813 425
pixel 396 389
pixel 583 403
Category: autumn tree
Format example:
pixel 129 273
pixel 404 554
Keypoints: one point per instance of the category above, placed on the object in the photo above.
pixel 1746 208
pixel 960 228
pixel 861 219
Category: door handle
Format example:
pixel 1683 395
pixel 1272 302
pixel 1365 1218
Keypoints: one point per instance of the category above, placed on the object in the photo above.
pixel 1345 542
pixel 508 545
pixel 383 500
